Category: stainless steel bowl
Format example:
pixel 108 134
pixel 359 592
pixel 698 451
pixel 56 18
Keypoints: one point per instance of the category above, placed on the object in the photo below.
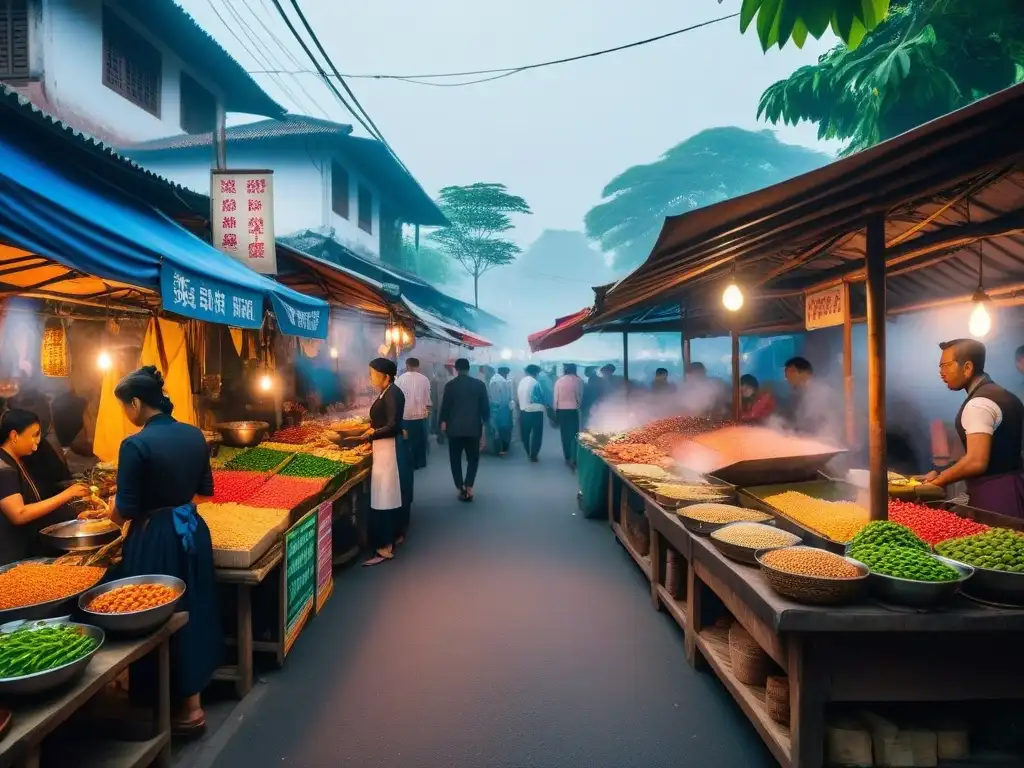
pixel 243 434
pixel 46 610
pixel 995 586
pixel 40 682
pixel 748 555
pixel 79 535
pixel 919 594
pixel 136 622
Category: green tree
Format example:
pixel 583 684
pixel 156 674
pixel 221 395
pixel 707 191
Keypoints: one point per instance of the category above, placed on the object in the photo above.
pixel 427 262
pixel 780 20
pixel 479 215
pixel 712 166
pixel 928 58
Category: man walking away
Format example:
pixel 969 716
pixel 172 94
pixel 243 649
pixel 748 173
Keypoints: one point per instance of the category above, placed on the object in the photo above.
pixel 502 398
pixel 531 409
pixel 416 388
pixel 568 399
pixel 464 412
pixel 592 393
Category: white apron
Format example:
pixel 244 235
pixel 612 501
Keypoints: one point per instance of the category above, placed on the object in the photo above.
pixel 385 485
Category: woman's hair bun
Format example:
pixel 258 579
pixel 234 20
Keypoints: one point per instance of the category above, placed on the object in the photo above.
pixel 152 372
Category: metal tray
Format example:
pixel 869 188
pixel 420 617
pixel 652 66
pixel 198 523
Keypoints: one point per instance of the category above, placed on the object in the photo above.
pixel 993 519
pixel 75 535
pixel 47 610
pixel 919 594
pixel 40 682
pixel 788 469
pixel 750 498
pixel 136 622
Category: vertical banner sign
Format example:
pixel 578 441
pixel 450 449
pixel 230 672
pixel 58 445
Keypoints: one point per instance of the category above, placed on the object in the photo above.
pixel 825 308
pixel 243 217
pixel 300 576
pixel 324 554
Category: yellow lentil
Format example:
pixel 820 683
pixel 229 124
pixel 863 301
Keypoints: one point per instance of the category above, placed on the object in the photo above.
pixel 722 513
pixel 239 527
pixel 691 492
pixel 838 520
pixel 754 536
pixel 810 562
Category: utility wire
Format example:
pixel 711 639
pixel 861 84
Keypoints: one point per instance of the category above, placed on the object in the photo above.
pixel 376 131
pixel 506 71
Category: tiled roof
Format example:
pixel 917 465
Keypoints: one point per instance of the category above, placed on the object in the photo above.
pixel 20 115
pixel 287 126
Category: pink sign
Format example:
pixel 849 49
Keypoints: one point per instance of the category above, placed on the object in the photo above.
pixel 324 555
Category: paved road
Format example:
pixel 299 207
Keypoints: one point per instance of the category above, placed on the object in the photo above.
pixel 508 633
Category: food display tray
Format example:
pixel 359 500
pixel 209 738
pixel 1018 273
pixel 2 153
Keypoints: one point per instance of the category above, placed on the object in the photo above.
pixel 821 488
pixel 787 469
pixel 47 610
pixel 992 519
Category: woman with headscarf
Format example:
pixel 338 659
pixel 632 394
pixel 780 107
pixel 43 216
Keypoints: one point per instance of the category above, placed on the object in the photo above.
pixel 162 472
pixel 391 474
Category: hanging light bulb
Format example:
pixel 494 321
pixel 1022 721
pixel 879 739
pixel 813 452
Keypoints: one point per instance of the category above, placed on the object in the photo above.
pixel 405 337
pixel 732 297
pixel 266 383
pixel 103 362
pixel 506 354
pixel 980 323
pixel 334 353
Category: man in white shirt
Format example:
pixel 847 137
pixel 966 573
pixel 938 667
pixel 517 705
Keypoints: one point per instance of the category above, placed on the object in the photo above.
pixel 416 388
pixel 530 395
pixel 568 398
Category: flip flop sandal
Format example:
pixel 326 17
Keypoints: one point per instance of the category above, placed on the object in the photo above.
pixel 376 560
pixel 189 731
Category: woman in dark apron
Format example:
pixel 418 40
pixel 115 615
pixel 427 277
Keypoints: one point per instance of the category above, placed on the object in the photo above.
pixel 161 473
pixel 391 473
pixel 23 508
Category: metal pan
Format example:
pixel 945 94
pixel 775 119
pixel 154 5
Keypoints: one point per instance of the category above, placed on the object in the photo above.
pixel 136 622
pixel 46 610
pixel 40 682
pixel 79 535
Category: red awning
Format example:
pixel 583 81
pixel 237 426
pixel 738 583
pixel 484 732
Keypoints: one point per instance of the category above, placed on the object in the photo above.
pixel 566 330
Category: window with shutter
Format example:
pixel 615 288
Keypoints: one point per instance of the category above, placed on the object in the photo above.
pixel 14 39
pixel 131 65
pixel 198 107
pixel 365 209
pixel 340 190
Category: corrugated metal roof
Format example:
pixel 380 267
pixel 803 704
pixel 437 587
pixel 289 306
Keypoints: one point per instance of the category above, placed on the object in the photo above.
pixel 24 119
pixel 406 198
pixel 949 189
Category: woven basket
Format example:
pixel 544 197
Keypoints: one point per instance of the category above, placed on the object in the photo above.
pixel 750 663
pixel 639 533
pixel 814 590
pixel 672 573
pixel 777 698
pixel 724 622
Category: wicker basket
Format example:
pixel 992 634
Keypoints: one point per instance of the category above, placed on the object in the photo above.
pixel 750 663
pixel 777 698
pixel 672 573
pixel 724 622
pixel 639 532
pixel 814 590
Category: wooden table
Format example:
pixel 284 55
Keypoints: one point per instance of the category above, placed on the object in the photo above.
pixel 36 720
pixel 861 653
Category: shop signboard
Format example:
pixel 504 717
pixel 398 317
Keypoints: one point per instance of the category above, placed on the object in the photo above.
pixel 825 308
pixel 300 576
pixel 242 217
pixel 202 298
pixel 324 554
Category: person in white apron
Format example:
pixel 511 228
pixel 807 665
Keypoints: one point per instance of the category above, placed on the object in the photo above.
pixel 391 475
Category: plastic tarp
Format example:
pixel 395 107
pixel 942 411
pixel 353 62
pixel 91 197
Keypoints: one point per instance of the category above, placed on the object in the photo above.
pixel 95 229
pixel 565 331
pixel 444 329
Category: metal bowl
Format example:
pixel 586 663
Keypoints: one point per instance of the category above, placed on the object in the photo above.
pixel 79 535
pixel 747 555
pixel 40 682
pixel 919 594
pixel 995 586
pixel 136 622
pixel 703 529
pixel 58 607
pixel 243 434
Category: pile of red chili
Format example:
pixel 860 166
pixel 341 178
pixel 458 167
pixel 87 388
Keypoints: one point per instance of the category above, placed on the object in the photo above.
pixel 235 486
pixel 932 525
pixel 298 435
pixel 285 492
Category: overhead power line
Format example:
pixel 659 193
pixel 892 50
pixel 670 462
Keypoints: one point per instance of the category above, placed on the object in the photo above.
pixel 507 71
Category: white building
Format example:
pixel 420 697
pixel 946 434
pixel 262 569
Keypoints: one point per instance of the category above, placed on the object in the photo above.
pixel 123 70
pixel 324 179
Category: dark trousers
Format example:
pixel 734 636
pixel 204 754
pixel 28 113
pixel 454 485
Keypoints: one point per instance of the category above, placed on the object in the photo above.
pixel 417 429
pixel 569 427
pixel 502 439
pixel 531 427
pixel 471 447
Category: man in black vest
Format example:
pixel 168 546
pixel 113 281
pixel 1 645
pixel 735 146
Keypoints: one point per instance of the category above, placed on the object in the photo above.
pixel 465 410
pixel 991 427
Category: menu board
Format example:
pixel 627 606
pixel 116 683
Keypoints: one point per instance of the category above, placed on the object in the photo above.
pixel 825 308
pixel 300 576
pixel 324 555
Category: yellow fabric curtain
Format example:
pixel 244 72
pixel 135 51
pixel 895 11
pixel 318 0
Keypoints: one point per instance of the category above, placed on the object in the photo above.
pixel 111 425
pixel 236 339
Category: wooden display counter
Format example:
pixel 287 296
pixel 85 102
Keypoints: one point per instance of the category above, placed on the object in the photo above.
pixel 36 719
pixel 864 653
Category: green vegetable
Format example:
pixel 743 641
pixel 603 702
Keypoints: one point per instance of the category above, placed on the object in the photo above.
pixel 257 460
pixel 225 455
pixel 903 563
pixel 883 532
pixel 308 465
pixel 999 549
pixel 27 651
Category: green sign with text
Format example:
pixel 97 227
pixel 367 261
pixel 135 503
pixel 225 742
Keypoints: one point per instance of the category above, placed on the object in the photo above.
pixel 300 576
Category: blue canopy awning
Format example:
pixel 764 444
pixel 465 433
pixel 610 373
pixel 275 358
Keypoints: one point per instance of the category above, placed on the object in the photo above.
pixel 95 229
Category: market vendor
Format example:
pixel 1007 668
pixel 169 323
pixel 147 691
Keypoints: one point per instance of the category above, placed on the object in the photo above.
pixel 990 425
pixel 47 465
pixel 162 472
pixel 756 404
pixel 24 507
pixel 391 472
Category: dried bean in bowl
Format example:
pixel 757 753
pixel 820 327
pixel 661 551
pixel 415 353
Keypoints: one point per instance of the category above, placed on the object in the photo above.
pixel 754 536
pixel 805 561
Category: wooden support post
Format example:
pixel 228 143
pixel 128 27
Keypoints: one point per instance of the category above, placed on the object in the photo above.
pixel 625 359
pixel 851 426
pixel 879 486
pixel 806 705
pixel 684 340
pixel 220 138
pixel 163 707
pixel 735 373
pixel 656 553
pixel 243 631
